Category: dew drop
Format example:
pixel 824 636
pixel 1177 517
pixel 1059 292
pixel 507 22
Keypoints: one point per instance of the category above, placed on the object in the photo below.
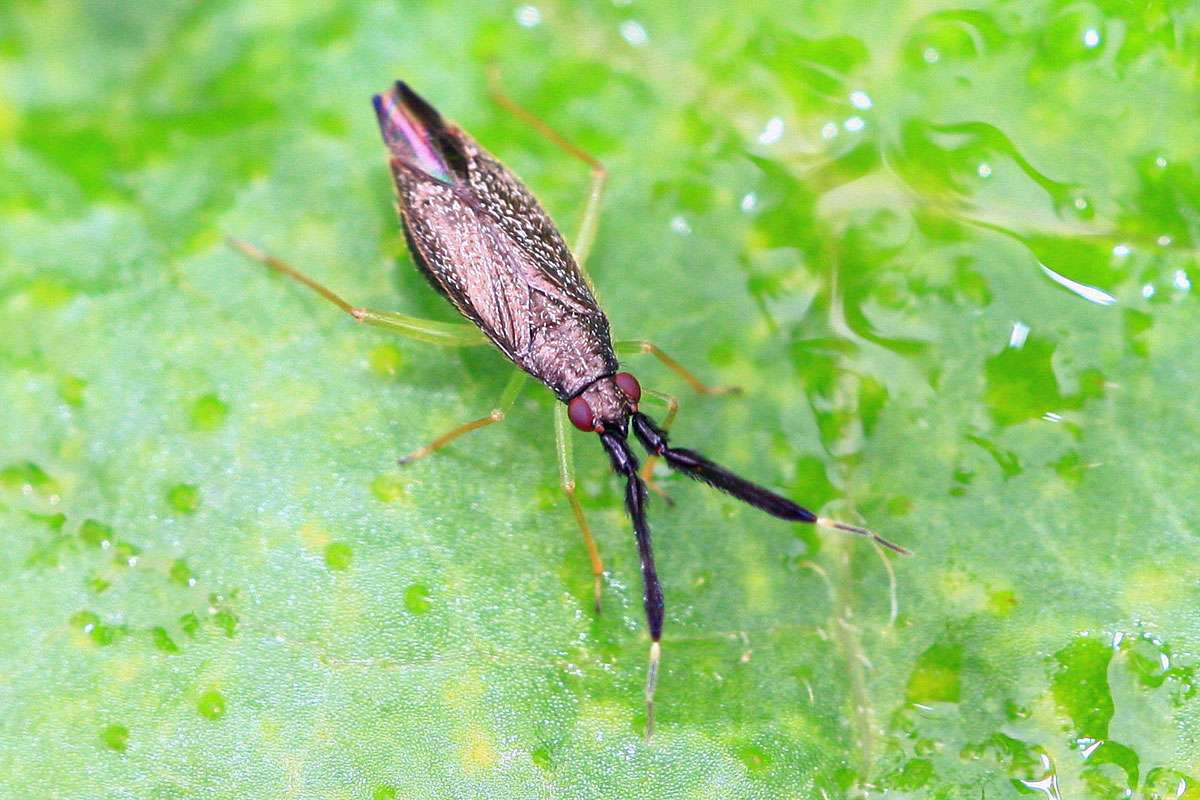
pixel 772 132
pixel 211 704
pixel 416 599
pixel 181 574
pixel 1018 335
pixel 633 32
pixel 184 497
pixel 529 16
pixel 679 224
pixel 385 360
pixel 338 556
pixel 96 534
pixel 388 488
pixel 208 412
pixel 860 100
pixel 115 737
pixel 162 640
pixel 754 757
pixel 71 389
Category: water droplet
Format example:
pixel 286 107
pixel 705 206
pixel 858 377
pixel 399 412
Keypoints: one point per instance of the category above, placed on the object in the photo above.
pixel 1091 37
pixel 1022 384
pixel 208 412
pixel 189 623
pixel 829 130
pixel 162 640
pixel 1027 764
pixel 772 132
pixel 71 389
pixel 748 202
pixel 1018 335
pixel 181 574
pixel 184 497
pixel 1001 603
pixel 115 737
pixel 1080 686
pixel 1181 281
pixel 96 534
pixel 860 100
pixel 1121 250
pixel 754 757
pixel 914 775
pixel 338 556
pixel 416 599
pixel 931 55
pixel 854 124
pixel 679 224
pixel 1089 293
pixel 29 479
pixel 935 676
pixel 540 756
pixel 529 16
pixel 211 704
pixel 385 359
pixel 388 488
pixel 633 32
pixel 226 620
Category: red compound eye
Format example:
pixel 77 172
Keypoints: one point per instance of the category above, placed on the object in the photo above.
pixel 581 414
pixel 629 386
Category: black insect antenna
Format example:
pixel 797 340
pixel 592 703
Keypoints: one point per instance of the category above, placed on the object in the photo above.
pixel 625 463
pixel 696 466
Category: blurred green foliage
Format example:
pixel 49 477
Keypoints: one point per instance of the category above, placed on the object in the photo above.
pixel 948 252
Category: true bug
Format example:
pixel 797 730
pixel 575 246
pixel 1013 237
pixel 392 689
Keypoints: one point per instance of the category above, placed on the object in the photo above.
pixel 485 243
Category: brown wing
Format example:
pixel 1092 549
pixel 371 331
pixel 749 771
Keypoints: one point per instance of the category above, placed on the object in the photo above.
pixel 514 209
pixel 467 257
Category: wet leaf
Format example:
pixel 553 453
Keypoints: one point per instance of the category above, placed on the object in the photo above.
pixel 948 255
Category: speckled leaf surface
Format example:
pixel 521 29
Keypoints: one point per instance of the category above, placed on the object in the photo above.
pixel 947 251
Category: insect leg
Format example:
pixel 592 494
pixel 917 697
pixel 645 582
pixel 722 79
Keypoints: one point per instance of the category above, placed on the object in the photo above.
pixel 640 346
pixel 672 405
pixel 566 473
pixel 625 463
pixel 507 399
pixel 591 212
pixel 425 330
pixel 696 466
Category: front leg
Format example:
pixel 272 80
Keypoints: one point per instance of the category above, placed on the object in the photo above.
pixel 566 476
pixel 449 334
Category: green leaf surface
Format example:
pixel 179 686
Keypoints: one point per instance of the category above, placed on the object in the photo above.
pixel 948 252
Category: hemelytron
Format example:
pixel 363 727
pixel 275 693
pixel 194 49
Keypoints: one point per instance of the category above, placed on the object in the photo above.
pixel 485 243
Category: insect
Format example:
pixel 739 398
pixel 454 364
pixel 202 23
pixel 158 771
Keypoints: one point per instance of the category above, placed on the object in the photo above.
pixel 485 243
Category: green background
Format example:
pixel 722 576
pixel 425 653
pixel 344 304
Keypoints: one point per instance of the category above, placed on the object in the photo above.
pixel 947 250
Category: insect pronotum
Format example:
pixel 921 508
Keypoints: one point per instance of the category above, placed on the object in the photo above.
pixel 485 243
